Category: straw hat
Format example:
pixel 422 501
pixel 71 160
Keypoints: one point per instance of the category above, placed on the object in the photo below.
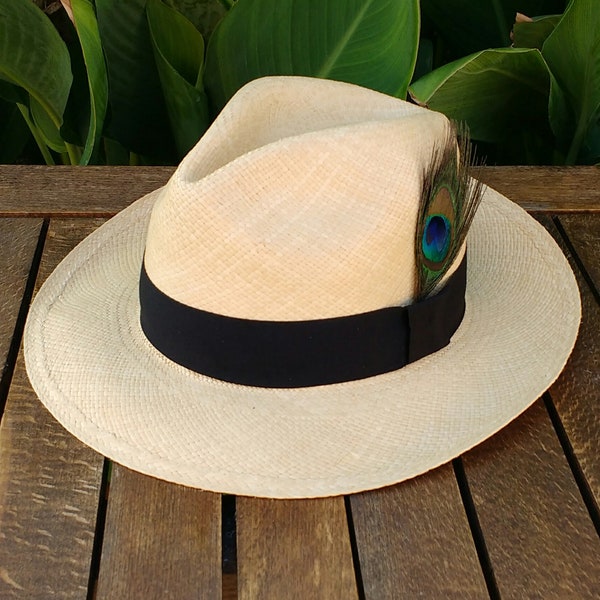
pixel 297 209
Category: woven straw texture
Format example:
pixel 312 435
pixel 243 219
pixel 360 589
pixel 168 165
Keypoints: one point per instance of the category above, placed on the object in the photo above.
pixel 92 367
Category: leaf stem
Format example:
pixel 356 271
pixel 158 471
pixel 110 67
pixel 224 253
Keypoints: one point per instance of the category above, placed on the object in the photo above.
pixel 227 3
pixel 74 153
pixel 36 134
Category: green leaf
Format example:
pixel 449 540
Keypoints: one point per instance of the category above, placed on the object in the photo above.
pixel 467 26
pixel 33 57
pixel 372 43
pixel 46 126
pixel 179 52
pixel 139 118
pixel 572 52
pixel 533 34
pixel 203 14
pixel 115 153
pixel 497 92
pixel 14 133
pixel 424 63
pixel 89 38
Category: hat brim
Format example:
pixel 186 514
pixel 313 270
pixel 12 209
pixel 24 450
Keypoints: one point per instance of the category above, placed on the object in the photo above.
pixel 92 367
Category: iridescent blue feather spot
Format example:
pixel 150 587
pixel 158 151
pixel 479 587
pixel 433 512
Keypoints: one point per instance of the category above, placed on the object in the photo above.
pixel 436 238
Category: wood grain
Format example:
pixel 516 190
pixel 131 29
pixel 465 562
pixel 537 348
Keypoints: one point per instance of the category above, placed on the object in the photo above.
pixel 104 191
pixel 229 586
pixel 576 393
pixel 31 190
pixel 49 481
pixel 414 541
pixel 18 240
pixel 584 233
pixel 540 538
pixel 556 189
pixel 294 549
pixel 161 540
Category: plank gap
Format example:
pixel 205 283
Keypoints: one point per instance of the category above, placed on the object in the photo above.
pixel 360 588
pixel 584 488
pixel 588 279
pixel 476 532
pixel 15 344
pixel 99 531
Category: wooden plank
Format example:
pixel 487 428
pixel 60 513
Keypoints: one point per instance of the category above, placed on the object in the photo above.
pixel 414 541
pixel 539 536
pixel 229 586
pixel 103 191
pixel 555 189
pixel 584 233
pixel 576 393
pixel 294 549
pixel 33 190
pixel 161 540
pixel 18 240
pixel 49 481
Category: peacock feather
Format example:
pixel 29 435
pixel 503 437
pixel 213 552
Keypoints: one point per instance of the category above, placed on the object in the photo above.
pixel 449 199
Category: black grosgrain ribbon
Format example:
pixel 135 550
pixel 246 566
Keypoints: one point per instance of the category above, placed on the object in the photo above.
pixel 287 354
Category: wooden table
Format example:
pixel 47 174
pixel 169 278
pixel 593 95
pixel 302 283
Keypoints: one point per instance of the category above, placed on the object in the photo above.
pixel 517 517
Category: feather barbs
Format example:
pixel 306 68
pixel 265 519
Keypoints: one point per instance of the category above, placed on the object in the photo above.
pixel 449 200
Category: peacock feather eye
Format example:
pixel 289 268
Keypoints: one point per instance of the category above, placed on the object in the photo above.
pixel 448 203
pixel 436 239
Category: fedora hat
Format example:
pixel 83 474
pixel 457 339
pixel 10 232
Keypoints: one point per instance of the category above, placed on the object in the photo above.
pixel 294 314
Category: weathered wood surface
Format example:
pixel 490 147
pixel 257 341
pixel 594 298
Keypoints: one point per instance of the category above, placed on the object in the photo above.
pixel 414 541
pixel 161 541
pixel 49 481
pixel 18 241
pixel 537 530
pixel 80 191
pixel 583 232
pixel 556 189
pixel 289 549
pixel 31 190
pixel 576 393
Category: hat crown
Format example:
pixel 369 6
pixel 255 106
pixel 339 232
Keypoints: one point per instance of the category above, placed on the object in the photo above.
pixel 300 202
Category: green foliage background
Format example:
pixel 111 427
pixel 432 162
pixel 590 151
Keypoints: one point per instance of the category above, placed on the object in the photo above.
pixel 139 82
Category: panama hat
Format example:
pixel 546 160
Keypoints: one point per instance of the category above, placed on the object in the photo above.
pixel 237 330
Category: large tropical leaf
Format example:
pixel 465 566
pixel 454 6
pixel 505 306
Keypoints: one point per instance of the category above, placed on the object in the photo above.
pixel 203 14
pixel 503 96
pixel 86 24
pixel 533 33
pixel 466 26
pixel 572 52
pixel 139 118
pixel 179 50
pixel 368 42
pixel 33 57
pixel 46 126
pixel 497 92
